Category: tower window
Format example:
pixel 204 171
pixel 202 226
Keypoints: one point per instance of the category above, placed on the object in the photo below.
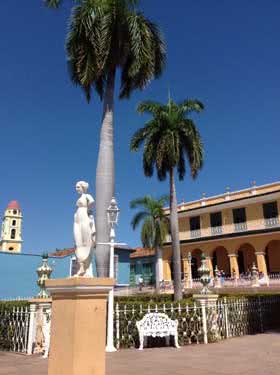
pixel 11 248
pixel 14 222
pixel 13 234
pixel 14 212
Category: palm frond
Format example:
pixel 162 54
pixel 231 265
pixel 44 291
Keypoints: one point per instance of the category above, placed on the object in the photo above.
pixel 147 233
pixel 141 202
pixel 143 62
pixel 149 107
pixel 192 146
pixel 52 3
pixel 138 218
pixel 191 105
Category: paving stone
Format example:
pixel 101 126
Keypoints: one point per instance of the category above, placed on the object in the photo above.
pixel 247 355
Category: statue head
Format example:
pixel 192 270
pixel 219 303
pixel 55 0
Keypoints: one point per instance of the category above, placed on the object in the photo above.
pixel 81 187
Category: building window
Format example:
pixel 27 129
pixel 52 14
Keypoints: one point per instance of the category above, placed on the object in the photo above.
pixel 216 222
pixel 73 266
pixel 11 248
pixel 147 273
pixel 195 226
pixel 14 212
pixel 239 219
pixel 270 214
pixel 13 234
pixel 116 267
pixel 14 222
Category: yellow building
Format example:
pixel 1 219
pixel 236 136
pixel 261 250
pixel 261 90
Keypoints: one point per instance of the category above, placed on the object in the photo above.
pixel 234 230
pixel 11 228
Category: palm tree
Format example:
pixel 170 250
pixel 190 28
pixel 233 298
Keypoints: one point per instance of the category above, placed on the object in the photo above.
pixel 155 227
pixel 168 138
pixel 106 36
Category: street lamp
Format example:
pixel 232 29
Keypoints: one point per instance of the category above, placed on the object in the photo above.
pixel 112 216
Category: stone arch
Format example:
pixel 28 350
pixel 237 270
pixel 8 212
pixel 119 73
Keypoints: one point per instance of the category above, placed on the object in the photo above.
pixel 246 257
pixel 221 259
pixel 196 262
pixel 272 256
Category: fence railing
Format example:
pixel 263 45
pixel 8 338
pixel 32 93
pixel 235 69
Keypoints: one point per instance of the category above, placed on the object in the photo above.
pixel 21 328
pixel 14 329
pixel 24 329
pixel 227 318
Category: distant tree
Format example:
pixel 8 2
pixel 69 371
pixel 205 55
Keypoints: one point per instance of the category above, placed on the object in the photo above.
pixel 155 226
pixel 106 36
pixel 168 138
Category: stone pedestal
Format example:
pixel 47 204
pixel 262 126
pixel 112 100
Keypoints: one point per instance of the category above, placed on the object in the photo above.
pixel 78 327
pixel 39 310
pixel 209 314
pixel 208 300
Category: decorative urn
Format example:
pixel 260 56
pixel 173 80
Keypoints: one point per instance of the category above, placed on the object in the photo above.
pixel 44 271
pixel 205 277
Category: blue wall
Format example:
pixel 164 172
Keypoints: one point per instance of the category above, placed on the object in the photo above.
pixel 123 266
pixel 18 277
pixel 123 272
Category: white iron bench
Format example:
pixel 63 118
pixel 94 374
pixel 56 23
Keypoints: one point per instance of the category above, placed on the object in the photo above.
pixel 157 325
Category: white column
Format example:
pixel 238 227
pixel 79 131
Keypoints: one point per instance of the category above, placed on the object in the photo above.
pixel 160 265
pixel 32 329
pixel 110 311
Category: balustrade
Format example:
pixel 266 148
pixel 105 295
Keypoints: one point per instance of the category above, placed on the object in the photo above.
pixel 216 230
pixel 240 227
pixel 195 233
pixel 271 222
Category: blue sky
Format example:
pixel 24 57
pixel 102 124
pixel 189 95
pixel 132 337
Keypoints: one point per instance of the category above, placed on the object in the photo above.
pixel 224 53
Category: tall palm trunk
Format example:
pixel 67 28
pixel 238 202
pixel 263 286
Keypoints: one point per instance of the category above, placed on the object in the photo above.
pixel 105 179
pixel 158 268
pixel 176 253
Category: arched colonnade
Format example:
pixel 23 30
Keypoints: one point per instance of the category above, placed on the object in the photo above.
pixel 235 257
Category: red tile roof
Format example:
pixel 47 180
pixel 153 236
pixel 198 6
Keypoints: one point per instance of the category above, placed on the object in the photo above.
pixel 142 252
pixel 63 252
pixel 14 205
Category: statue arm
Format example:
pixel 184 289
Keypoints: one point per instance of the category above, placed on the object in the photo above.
pixel 90 201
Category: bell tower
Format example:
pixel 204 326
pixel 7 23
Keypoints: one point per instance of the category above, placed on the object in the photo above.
pixel 11 228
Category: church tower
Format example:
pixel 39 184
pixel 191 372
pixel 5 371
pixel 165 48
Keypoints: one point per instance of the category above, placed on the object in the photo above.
pixel 11 228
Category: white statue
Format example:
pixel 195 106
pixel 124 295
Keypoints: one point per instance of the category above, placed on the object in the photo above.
pixel 84 230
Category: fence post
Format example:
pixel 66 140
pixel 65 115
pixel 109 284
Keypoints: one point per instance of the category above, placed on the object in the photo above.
pixel 32 328
pixel 260 314
pixel 204 321
pixel 226 316
pixel 117 326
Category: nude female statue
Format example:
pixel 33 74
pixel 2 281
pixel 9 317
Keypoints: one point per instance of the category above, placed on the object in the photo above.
pixel 84 230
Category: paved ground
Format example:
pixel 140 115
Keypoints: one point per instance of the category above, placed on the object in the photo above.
pixel 248 355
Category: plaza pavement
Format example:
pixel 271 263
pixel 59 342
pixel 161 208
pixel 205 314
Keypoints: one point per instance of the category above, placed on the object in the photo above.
pixel 247 355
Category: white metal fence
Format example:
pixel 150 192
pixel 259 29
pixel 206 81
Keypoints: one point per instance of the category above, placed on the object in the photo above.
pixel 202 324
pixel 27 329
pixel 14 329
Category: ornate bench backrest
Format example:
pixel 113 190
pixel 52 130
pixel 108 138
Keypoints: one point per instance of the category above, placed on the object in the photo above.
pixel 156 321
